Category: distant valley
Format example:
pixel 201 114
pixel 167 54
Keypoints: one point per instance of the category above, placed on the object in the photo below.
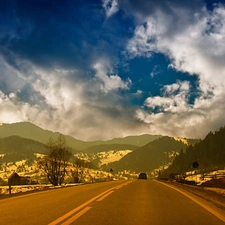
pixel 26 142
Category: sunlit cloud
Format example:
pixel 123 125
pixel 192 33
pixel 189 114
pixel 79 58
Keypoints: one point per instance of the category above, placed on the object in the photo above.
pixel 109 82
pixel 196 48
pixel 74 74
pixel 174 100
pixel 69 103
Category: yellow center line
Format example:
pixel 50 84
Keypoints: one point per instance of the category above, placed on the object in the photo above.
pixel 104 196
pixel 122 185
pixel 79 214
pixel 60 219
pixel 76 209
pixel 119 187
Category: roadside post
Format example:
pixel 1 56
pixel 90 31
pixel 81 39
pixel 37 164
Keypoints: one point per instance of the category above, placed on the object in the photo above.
pixel 195 166
pixel 10 186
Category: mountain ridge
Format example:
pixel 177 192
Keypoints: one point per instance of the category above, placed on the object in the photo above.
pixel 15 148
pixel 151 156
pixel 31 131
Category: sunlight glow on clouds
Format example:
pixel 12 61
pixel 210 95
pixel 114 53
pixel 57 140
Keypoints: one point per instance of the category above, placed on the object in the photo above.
pixel 197 48
pixel 174 103
pixel 83 69
pixel 111 82
pixel 71 104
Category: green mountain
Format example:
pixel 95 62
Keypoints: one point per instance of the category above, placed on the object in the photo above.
pixel 149 157
pixel 15 148
pixel 140 140
pixel 31 131
pixel 109 147
pixel 209 153
pixel 19 144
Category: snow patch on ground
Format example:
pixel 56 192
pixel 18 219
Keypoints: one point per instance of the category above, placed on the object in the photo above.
pixel 111 156
pixel 202 178
pixel 20 163
pixel 220 191
pixel 105 157
pixel 38 155
pixel 181 139
pixel 4 190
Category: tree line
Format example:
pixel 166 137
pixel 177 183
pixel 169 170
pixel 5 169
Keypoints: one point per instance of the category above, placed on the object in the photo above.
pixel 208 153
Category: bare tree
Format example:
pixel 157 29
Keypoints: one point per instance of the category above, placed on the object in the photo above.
pixel 54 163
pixel 79 172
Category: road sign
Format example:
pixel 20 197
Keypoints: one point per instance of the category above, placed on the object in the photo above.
pixel 195 165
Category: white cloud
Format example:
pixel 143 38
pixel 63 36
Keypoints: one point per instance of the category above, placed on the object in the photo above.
pixel 197 47
pixel 70 103
pixel 172 102
pixel 111 82
pixel 12 110
pixel 182 87
pixel 155 71
pixel 110 6
pixel 73 103
pixel 138 93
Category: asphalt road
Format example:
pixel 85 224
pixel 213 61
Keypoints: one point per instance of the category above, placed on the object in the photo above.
pixel 111 203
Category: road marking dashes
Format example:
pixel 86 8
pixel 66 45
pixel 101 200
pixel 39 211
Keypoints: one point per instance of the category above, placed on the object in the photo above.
pixel 104 196
pixel 99 197
pixel 76 216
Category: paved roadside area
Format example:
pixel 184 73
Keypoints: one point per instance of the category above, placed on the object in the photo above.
pixel 209 194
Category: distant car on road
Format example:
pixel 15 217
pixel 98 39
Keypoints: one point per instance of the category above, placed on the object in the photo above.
pixel 142 176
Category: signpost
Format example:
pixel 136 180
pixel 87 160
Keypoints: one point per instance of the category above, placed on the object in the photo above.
pixel 195 165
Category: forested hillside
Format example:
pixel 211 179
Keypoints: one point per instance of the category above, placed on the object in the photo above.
pixel 151 156
pixel 109 147
pixel 15 148
pixel 33 132
pixel 209 153
pixel 139 140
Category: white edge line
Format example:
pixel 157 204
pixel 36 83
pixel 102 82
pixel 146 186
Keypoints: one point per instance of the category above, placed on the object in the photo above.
pixel 218 215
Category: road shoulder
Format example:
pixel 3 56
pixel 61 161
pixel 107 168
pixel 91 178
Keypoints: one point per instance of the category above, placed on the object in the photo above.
pixel 211 201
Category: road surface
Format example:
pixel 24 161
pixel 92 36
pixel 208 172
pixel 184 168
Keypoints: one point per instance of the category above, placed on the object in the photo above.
pixel 110 203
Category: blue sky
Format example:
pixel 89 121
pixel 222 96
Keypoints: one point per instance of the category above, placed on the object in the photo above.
pixel 112 68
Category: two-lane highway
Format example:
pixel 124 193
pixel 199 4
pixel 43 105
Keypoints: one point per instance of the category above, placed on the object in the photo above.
pixel 111 203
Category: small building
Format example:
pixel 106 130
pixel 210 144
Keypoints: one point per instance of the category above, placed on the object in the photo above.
pixel 15 179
